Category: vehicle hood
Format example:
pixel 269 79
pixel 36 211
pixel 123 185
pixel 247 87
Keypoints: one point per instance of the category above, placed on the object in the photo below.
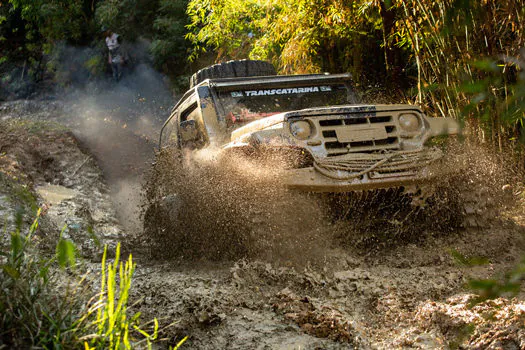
pixel 258 125
pixel 274 120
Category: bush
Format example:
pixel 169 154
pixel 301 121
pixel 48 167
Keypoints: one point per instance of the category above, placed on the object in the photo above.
pixel 46 301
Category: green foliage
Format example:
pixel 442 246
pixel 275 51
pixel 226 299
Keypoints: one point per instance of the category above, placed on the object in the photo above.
pixel 31 31
pixel 75 66
pixel 510 284
pixel 45 304
pixel 95 65
pixel 463 260
pixel 28 308
pixel 18 194
pixel 65 252
pixel 496 101
pixel 298 36
pixel 112 322
pixel 54 20
pixel 129 18
pixel 22 194
pixel 169 47
pixel 454 43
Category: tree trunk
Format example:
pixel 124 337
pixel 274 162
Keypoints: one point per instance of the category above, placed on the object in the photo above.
pixel 388 16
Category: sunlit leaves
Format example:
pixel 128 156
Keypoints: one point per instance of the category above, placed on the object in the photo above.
pixel 66 253
pixel 499 93
pixel 290 33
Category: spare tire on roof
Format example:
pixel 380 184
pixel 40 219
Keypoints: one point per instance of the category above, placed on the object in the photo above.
pixel 233 69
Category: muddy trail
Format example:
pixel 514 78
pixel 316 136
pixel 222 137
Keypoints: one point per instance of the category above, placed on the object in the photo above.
pixel 305 279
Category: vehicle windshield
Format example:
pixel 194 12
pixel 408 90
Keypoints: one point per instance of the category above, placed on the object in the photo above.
pixel 244 106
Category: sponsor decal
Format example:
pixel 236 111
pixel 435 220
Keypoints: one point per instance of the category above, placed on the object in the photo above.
pixel 287 91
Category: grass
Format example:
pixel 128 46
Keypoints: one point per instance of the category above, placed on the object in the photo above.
pixel 46 302
pixel 18 194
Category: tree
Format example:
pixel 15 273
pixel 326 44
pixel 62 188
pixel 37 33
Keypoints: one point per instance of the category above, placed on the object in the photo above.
pixel 297 36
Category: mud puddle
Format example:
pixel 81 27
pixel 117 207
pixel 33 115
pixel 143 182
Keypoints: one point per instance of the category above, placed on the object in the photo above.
pixel 413 296
pixel 54 194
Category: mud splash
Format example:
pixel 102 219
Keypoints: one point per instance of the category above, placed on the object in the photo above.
pixel 223 207
pixel 469 189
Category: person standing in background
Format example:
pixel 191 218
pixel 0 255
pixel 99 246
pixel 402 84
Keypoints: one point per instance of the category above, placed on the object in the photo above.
pixel 115 58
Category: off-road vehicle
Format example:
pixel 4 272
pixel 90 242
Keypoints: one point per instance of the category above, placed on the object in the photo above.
pixel 336 143
pixel 304 132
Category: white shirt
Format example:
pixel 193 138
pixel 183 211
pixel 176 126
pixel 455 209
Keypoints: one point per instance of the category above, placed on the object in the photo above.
pixel 112 41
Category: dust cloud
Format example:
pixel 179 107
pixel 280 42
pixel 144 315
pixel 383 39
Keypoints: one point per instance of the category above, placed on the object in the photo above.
pixel 119 124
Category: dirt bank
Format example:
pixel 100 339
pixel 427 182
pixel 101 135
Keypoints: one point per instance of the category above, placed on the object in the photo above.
pixel 405 295
pixel 44 161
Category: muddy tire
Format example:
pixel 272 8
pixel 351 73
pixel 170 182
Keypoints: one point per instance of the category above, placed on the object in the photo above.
pixel 233 69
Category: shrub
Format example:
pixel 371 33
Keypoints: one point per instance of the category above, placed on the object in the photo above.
pixel 46 301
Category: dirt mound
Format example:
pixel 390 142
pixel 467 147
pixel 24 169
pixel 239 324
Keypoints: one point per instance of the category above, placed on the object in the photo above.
pixel 214 306
pixel 320 321
pixel 43 162
pixel 495 324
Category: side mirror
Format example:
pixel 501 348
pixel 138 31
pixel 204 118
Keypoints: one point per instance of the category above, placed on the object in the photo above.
pixel 188 131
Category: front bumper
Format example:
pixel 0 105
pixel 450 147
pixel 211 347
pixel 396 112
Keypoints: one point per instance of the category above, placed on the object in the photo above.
pixel 357 172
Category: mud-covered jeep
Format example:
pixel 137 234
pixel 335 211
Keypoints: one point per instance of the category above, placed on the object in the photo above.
pixel 340 145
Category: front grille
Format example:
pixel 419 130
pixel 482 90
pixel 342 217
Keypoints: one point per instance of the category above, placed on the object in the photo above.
pixel 383 127
pixel 390 164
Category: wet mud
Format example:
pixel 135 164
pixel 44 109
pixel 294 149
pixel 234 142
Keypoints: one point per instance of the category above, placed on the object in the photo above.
pixel 249 265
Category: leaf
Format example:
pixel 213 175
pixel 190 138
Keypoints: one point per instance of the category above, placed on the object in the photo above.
pixel 474 87
pixel 486 65
pixel 17 245
pixel 93 236
pixel 146 335
pixel 135 317
pixel 483 284
pixel 66 253
pixel 468 261
pixel 19 219
pixel 44 273
pixel 11 271
pixel 179 344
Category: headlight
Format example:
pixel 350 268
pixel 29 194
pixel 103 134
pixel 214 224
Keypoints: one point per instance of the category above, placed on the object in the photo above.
pixel 301 129
pixel 409 122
